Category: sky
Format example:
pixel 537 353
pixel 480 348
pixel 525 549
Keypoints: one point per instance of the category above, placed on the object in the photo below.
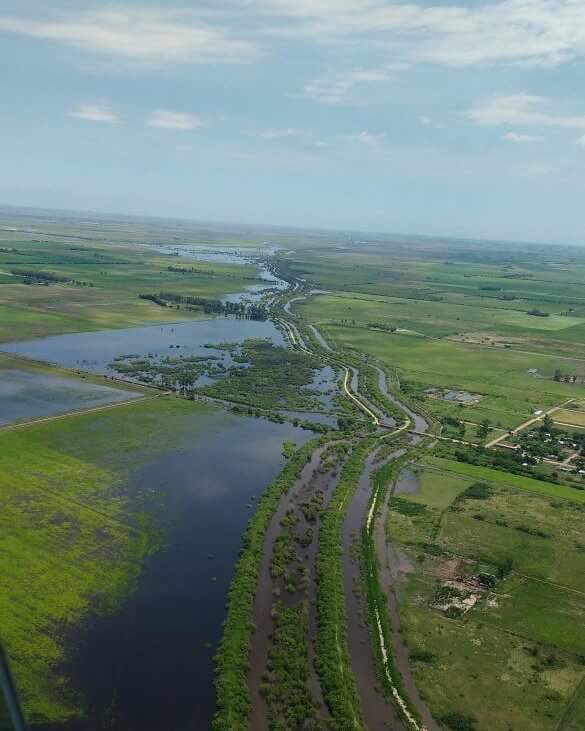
pixel 444 118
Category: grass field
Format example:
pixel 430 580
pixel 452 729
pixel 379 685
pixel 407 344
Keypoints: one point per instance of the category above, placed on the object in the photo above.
pixel 568 416
pixel 510 395
pixel 522 642
pixel 105 281
pixel 506 479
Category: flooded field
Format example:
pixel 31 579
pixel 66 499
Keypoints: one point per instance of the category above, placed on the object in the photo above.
pixel 26 395
pixel 252 292
pixel 325 384
pixel 408 482
pixel 150 666
pixel 95 351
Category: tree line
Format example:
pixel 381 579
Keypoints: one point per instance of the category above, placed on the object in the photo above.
pixel 240 310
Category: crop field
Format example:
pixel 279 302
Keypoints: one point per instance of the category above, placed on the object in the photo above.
pixel 521 641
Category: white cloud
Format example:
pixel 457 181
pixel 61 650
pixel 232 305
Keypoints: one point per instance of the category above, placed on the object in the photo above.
pixel 426 121
pixel 521 138
pixel 275 134
pixel 368 138
pixel 174 120
pixel 139 35
pixel 581 140
pixel 93 113
pixel 521 31
pixel 335 89
pixel 522 109
pixel 548 32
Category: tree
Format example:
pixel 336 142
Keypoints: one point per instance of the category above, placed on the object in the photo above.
pixel 483 429
pixel 547 423
pixel 505 567
pixel 558 376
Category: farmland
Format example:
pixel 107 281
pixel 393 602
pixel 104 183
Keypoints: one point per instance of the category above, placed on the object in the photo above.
pixel 376 478
pixel 101 286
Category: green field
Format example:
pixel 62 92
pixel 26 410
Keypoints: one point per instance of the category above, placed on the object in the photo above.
pixel 506 479
pixel 504 323
pixel 105 281
pixel 522 641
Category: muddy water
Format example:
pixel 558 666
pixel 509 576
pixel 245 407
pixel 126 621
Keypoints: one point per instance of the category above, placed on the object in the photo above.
pixel 393 564
pixel 420 424
pixel 378 712
pixel 150 666
pixel 310 481
pixel 262 616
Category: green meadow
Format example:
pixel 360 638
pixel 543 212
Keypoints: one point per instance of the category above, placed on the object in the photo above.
pixel 103 287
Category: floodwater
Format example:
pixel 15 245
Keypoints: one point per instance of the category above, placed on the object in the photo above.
pixel 322 342
pixel 95 351
pixel 150 666
pixel 28 395
pixel 252 292
pixel 325 384
pixel 314 416
pixel 197 252
pixel 408 483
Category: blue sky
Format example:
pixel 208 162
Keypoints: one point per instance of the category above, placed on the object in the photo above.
pixel 422 117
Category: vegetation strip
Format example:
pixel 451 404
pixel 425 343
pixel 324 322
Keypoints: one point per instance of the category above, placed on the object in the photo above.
pixel 233 697
pixel 380 629
pixel 332 660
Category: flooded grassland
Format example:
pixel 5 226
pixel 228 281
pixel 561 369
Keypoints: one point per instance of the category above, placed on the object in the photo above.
pixel 119 533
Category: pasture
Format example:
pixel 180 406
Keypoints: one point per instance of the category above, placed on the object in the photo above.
pixel 522 641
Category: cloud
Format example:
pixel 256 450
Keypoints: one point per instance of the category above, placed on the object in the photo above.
pixel 275 134
pixel 581 140
pixel 425 121
pixel 93 113
pixel 520 138
pixel 534 32
pixel 139 35
pixel 546 32
pixel 335 89
pixel 164 119
pixel 367 138
pixel 521 109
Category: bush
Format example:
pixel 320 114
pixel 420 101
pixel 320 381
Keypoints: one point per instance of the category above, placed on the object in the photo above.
pixel 458 722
